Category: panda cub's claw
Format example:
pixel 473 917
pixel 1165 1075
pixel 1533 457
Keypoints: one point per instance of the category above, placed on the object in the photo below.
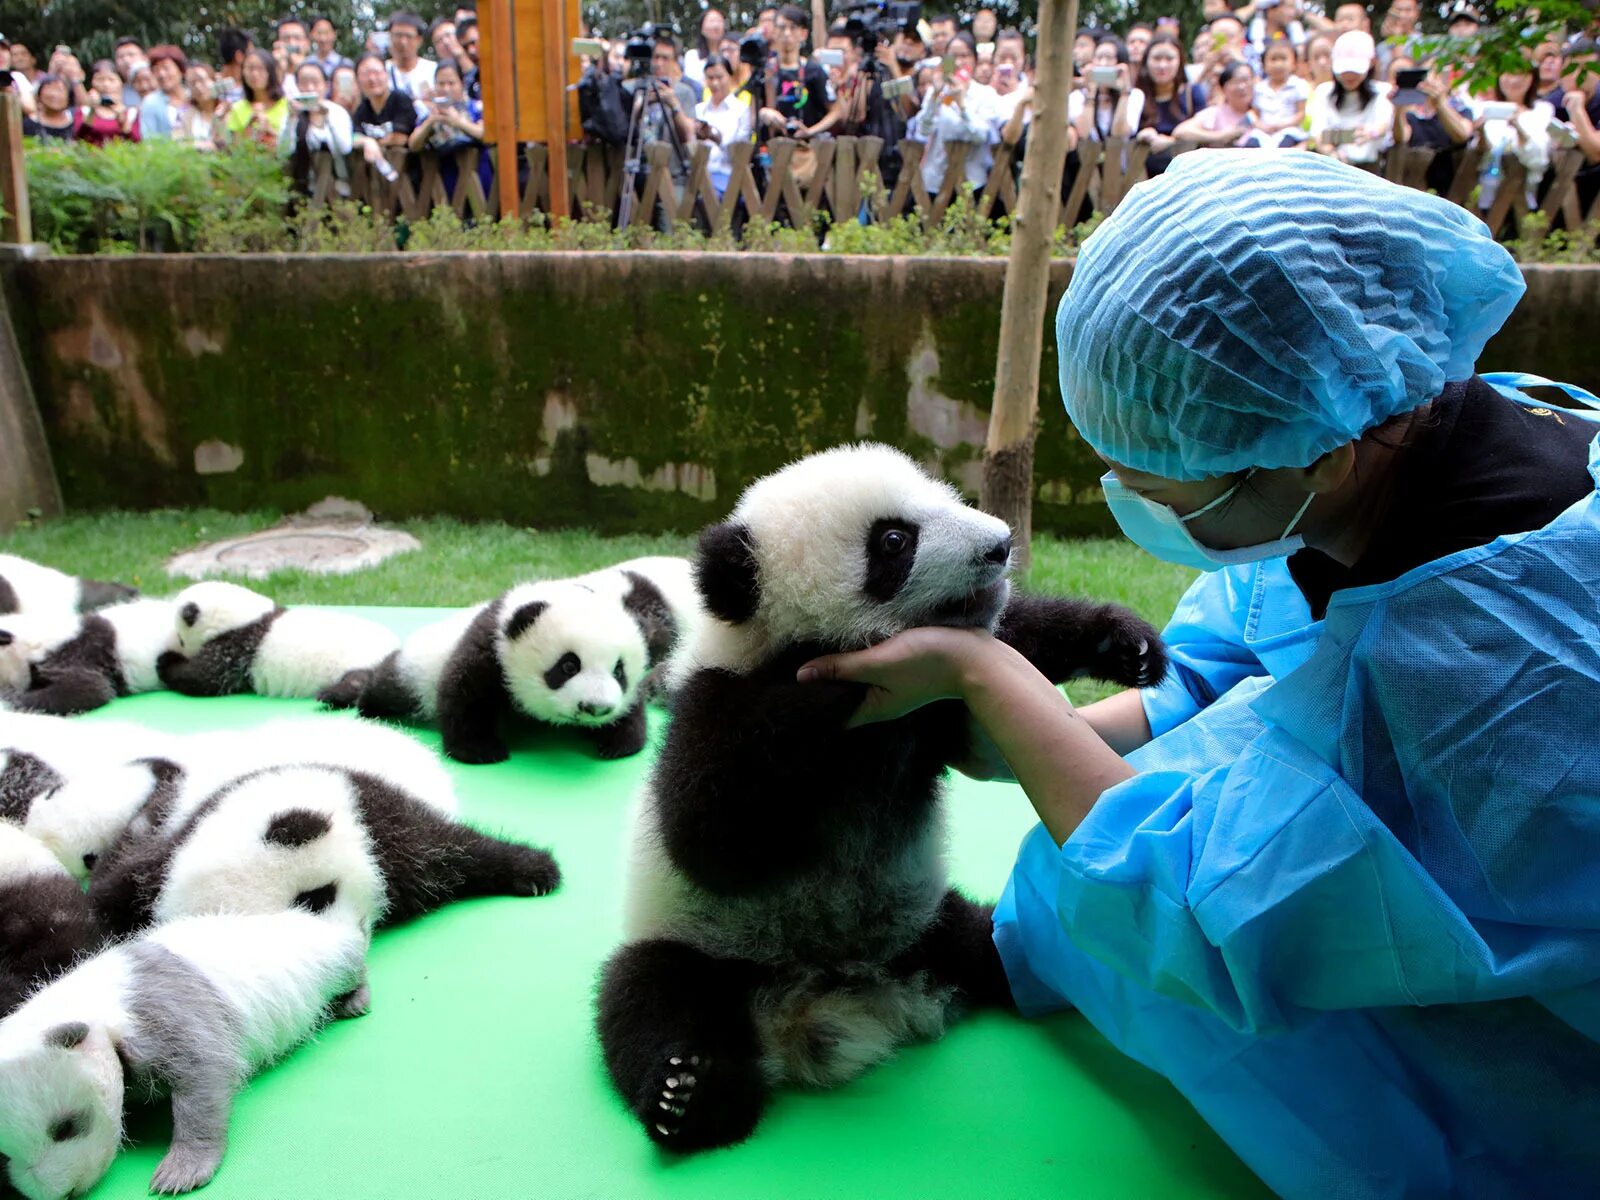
pixel 695 1104
pixel 185 1168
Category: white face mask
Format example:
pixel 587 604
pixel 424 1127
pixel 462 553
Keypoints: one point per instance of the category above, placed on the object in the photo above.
pixel 1158 529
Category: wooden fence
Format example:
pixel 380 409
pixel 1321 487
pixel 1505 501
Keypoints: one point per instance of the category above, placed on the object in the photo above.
pixel 837 184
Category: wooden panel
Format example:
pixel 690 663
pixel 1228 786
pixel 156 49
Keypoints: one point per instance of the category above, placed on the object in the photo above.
pixel 527 34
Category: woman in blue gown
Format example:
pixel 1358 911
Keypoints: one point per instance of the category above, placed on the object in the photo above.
pixel 1338 876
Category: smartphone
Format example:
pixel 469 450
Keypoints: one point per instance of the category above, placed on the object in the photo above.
pixel 381 41
pixel 985 48
pixel 893 89
pixel 947 64
pixel 588 48
pixel 108 101
pixel 1407 85
pixel 1561 134
pixel 1339 137
pixel 1005 70
pixel 1410 78
pixel 1104 76
pixel 1194 71
pixel 828 58
pixel 1498 110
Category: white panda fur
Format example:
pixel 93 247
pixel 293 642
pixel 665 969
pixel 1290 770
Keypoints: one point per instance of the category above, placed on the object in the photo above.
pixel 786 869
pixel 30 587
pixel 423 656
pixel 145 631
pixel 232 639
pixel 580 621
pixel 241 990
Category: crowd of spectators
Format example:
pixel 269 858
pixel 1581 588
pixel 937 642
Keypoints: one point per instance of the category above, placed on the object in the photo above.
pixel 1272 74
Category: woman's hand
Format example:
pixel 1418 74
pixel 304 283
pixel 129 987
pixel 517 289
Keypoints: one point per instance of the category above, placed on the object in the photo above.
pixel 911 669
pixel 370 150
pixel 771 116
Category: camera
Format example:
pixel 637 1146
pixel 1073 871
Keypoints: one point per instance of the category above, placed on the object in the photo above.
pixel 753 50
pixel 639 45
pixel 867 24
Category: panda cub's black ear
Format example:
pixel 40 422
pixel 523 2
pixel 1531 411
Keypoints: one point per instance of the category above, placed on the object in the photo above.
pixel 725 572
pixel 522 620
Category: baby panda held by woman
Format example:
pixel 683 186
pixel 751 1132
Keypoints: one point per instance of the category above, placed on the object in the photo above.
pixel 788 910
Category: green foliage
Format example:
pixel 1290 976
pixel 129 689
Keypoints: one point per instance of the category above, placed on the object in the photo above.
pixel 1507 44
pixel 155 195
pixel 1538 243
pixel 91 27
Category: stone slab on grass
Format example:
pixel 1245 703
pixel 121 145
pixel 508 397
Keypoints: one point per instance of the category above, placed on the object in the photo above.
pixel 332 537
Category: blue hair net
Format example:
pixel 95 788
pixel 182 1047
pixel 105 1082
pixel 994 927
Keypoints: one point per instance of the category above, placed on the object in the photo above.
pixel 1254 308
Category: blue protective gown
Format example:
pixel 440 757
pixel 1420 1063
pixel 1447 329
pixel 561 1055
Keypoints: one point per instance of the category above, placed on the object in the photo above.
pixel 1351 904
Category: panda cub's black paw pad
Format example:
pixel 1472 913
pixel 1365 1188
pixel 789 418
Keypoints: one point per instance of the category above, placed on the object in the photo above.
pixel 678 1082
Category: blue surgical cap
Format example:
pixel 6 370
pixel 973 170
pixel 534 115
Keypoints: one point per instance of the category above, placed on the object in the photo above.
pixel 1256 308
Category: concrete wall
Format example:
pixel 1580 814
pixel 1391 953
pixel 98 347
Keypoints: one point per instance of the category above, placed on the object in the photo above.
pixel 616 391
pixel 27 481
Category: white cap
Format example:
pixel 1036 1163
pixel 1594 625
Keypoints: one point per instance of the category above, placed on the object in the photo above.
pixel 1354 52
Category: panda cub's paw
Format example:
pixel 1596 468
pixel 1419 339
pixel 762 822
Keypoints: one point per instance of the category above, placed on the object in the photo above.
pixel 185 1168
pixel 1130 653
pixel 532 872
pixel 477 751
pixel 697 1102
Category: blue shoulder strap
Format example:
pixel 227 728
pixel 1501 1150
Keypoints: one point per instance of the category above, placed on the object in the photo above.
pixel 1507 384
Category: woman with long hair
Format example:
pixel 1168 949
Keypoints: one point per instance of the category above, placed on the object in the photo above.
pixel 1524 135
pixel 1351 116
pixel 53 119
pixel 1102 111
pixel 1170 99
pixel 199 122
pixel 261 113
pixel 707 44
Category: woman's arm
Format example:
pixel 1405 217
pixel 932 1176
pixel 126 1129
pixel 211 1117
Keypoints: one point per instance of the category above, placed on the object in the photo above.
pixel 1057 757
pixel 1588 136
pixel 1196 130
pixel 1120 720
pixel 419 135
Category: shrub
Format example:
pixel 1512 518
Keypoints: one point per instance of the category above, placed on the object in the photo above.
pixel 154 195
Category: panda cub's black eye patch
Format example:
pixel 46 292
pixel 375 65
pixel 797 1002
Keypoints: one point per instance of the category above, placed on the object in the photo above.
pixel 620 674
pixel 566 667
pixel 6 638
pixel 68 1127
pixel 891 551
pixel 190 613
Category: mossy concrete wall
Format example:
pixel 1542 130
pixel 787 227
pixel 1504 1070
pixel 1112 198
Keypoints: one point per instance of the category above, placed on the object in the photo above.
pixel 27 481
pixel 615 391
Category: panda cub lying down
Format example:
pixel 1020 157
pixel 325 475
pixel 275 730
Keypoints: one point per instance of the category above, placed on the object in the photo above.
pixel 788 913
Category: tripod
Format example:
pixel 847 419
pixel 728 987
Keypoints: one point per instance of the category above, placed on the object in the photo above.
pixel 646 94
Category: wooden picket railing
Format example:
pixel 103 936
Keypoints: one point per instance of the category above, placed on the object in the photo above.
pixel 838 184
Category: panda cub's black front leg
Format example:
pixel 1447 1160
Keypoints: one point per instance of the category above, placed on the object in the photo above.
pixel 680 1043
pixel 623 738
pixel 1066 637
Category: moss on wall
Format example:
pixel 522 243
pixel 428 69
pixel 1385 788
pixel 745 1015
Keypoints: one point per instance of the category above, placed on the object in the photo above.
pixel 615 391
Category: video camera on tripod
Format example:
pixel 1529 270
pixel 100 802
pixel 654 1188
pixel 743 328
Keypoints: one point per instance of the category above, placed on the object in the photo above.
pixel 866 24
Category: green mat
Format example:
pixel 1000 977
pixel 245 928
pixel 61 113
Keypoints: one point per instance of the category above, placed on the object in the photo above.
pixel 477 1073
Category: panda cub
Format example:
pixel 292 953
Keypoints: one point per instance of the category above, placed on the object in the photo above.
pixel 568 652
pixel 29 587
pixel 788 914
pixel 80 663
pixel 310 836
pixel 45 919
pixel 232 640
pixel 192 1009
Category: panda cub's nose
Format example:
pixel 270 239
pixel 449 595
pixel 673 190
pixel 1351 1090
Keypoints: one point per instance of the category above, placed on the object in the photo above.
pixel 999 552
pixel 590 709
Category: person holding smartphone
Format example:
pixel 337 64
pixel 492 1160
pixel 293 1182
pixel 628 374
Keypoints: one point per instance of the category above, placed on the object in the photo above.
pixel 1108 105
pixel 721 119
pixel 199 122
pixel 1515 124
pixel 53 119
pixel 106 118
pixel 956 109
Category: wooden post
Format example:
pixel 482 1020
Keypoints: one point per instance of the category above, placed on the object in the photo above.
pixel 503 86
pixel 1008 453
pixel 555 109
pixel 18 222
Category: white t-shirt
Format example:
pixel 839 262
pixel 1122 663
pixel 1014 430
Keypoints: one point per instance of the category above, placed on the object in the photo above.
pixel 1376 117
pixel 1103 118
pixel 732 119
pixel 416 81
pixel 1532 150
pixel 1279 104
pixel 336 135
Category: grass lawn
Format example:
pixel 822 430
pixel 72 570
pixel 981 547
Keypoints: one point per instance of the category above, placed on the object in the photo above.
pixel 463 563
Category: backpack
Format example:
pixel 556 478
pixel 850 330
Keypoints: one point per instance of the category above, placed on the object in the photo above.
pixel 604 107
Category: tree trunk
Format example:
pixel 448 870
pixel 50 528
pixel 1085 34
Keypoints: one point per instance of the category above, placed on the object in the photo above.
pixel 1008 454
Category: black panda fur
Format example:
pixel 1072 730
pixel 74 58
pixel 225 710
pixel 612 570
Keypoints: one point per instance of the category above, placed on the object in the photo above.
pixel 222 665
pixel 788 915
pixel 46 921
pixel 24 778
pixel 78 676
pixel 425 859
